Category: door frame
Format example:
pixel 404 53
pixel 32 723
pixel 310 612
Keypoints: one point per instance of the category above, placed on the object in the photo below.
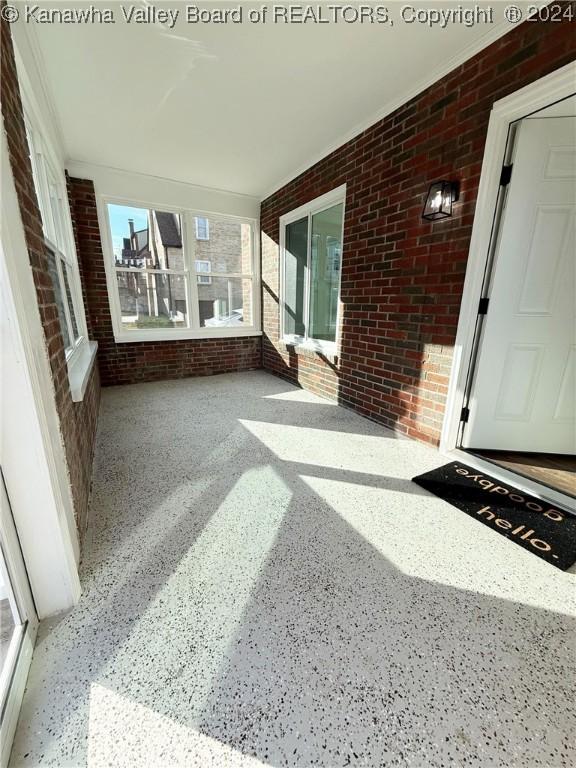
pixel 17 662
pixel 536 96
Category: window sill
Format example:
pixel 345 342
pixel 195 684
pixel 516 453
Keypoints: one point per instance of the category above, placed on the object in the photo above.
pixel 127 337
pixel 80 368
pixel 310 348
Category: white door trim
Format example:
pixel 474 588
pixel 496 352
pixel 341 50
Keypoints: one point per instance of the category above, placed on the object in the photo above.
pixel 539 94
pixel 17 662
pixel 533 97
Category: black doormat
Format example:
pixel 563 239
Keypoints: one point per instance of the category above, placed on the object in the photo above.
pixel 544 530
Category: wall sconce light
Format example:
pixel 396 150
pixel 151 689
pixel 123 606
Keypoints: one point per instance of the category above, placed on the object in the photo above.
pixel 441 196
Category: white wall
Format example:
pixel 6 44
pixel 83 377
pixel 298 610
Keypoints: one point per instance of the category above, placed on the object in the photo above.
pixel 36 84
pixel 139 188
pixel 31 449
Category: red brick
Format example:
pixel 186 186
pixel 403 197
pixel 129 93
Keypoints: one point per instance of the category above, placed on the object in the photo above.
pixel 402 277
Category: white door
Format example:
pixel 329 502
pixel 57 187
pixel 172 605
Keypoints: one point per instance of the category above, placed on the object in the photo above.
pixel 523 390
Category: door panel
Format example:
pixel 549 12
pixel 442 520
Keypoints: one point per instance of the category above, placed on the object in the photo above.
pixel 541 277
pixel 564 410
pixel 523 389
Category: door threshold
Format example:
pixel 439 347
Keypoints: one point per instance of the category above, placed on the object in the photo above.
pixel 537 489
pixel 539 467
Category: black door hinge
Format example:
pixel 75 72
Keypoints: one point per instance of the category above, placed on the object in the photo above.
pixel 506 175
pixel 465 415
pixel 483 305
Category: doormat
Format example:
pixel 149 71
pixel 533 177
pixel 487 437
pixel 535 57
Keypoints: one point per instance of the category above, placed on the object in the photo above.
pixel 544 530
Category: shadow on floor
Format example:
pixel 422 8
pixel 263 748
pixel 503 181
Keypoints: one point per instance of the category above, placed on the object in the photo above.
pixel 265 586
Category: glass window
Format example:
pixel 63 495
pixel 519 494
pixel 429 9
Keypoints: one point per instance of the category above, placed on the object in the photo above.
pixel 10 620
pixel 203 266
pixel 160 273
pixel 8 612
pixel 39 176
pixel 229 249
pixel 69 301
pixel 295 261
pixel 325 257
pixel 224 274
pixel 57 211
pixel 51 194
pixel 150 270
pixel 312 258
pixel 202 228
pixel 228 303
pixel 152 299
pixel 54 271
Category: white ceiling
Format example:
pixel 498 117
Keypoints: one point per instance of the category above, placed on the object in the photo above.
pixel 236 107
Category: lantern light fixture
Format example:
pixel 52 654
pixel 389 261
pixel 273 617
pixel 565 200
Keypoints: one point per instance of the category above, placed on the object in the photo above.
pixel 441 196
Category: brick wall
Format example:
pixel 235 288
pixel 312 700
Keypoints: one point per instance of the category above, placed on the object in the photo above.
pixel 402 277
pixel 77 420
pixel 128 363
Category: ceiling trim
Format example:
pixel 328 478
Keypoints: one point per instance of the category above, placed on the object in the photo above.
pixel 150 191
pixel 79 167
pixel 496 32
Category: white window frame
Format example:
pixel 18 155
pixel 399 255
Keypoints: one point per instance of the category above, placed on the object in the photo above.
pixel 193 329
pixel 59 237
pixel 308 210
pixel 207 228
pixel 50 185
pixel 201 274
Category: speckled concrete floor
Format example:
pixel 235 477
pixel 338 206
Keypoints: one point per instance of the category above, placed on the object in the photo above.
pixel 264 586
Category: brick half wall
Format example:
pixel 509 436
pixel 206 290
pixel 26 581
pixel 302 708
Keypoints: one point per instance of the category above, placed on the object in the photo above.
pixel 402 277
pixel 129 363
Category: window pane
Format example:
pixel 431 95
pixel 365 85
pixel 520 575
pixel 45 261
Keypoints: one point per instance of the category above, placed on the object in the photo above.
pixel 9 618
pixel 71 311
pixel 143 238
pixel 37 175
pixel 152 300
pixel 57 209
pixel 296 246
pixel 202 228
pixel 203 266
pixel 229 247
pixel 226 302
pixel 325 261
pixel 58 297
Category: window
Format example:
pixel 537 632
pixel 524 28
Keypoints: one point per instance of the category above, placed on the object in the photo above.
pixel 202 228
pixel 311 264
pixel 55 269
pixel 168 284
pixel 52 201
pixel 149 267
pixel 203 266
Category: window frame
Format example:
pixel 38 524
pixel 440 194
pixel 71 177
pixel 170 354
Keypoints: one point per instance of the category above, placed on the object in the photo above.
pixel 336 196
pixel 193 329
pixel 204 218
pixel 203 274
pixel 48 178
